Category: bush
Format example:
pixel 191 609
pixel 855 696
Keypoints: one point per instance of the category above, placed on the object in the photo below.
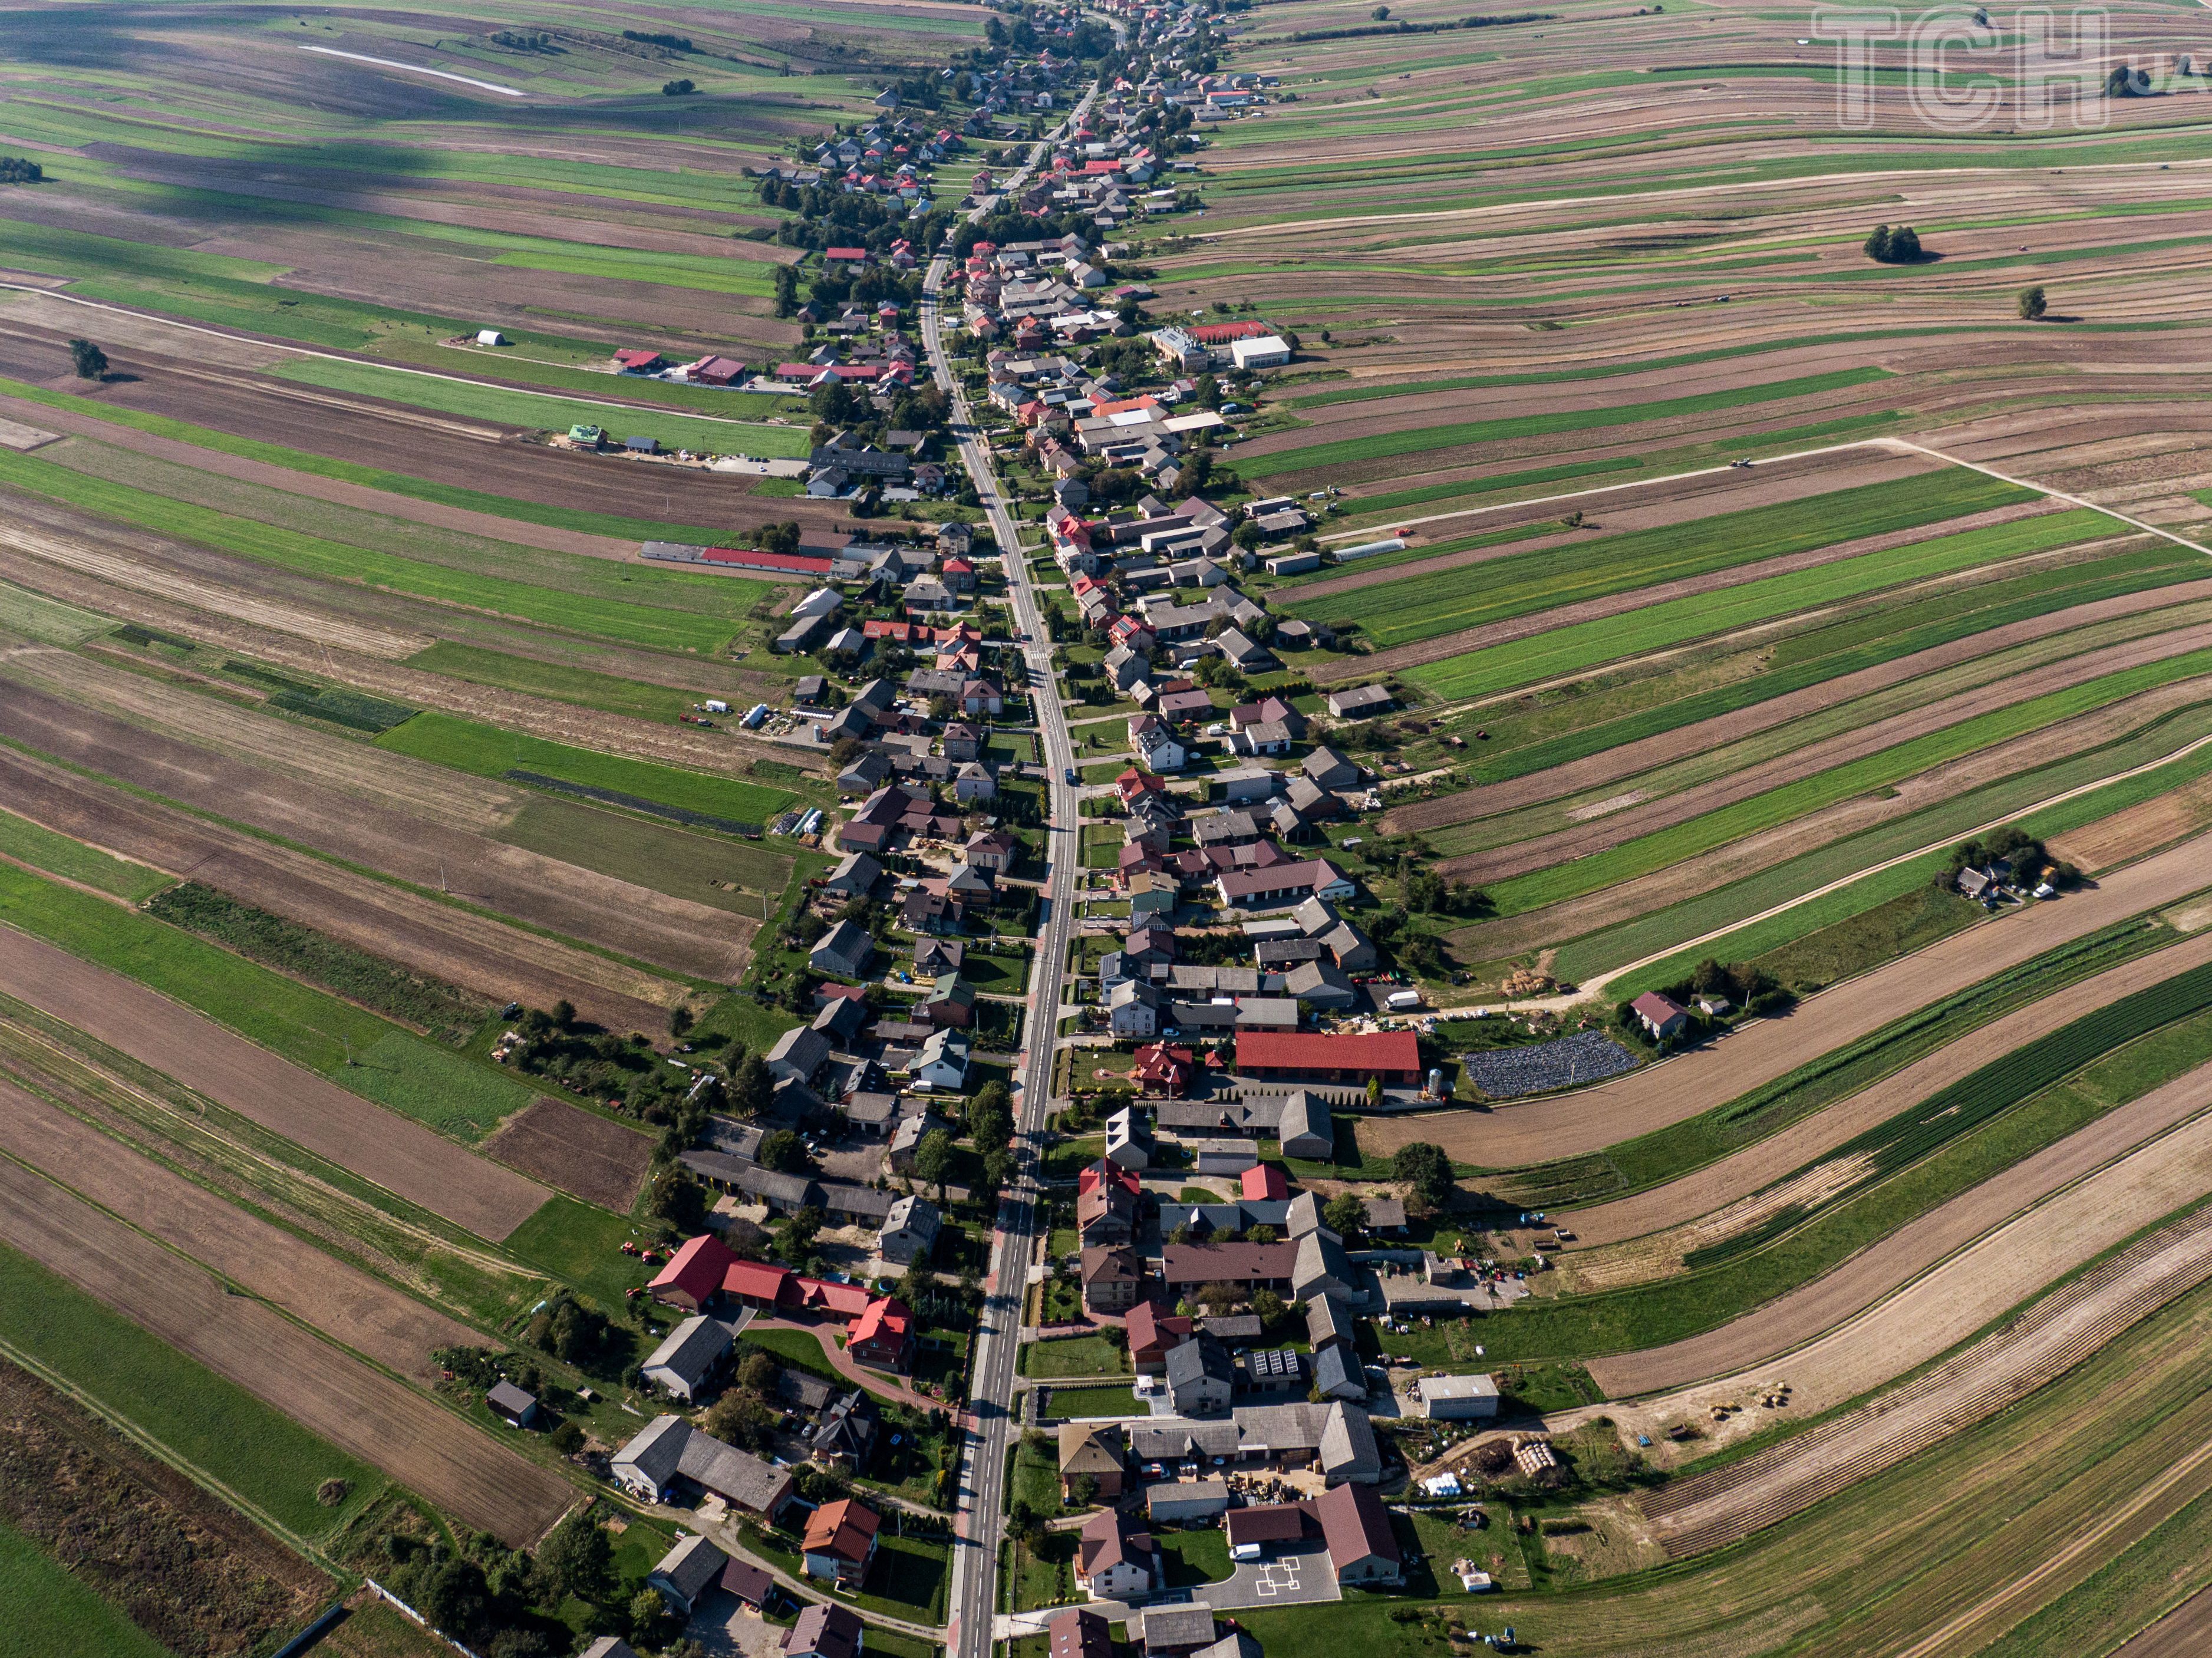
pixel 1893 244
pixel 2032 304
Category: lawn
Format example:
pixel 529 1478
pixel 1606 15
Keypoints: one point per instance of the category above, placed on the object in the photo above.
pixel 910 1579
pixel 545 410
pixel 1034 1477
pixel 1075 1357
pixel 51 1614
pixel 487 751
pixel 1195 1557
pixel 204 1421
pixel 1075 1402
pixel 580 1244
pixel 353 1047
pixel 40 848
pixel 796 1348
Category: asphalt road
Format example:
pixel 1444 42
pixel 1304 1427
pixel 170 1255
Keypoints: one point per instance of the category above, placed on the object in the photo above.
pixel 979 1522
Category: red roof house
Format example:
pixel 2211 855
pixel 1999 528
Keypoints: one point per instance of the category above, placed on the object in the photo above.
pixel 1164 1072
pixel 883 1336
pixel 1265 1182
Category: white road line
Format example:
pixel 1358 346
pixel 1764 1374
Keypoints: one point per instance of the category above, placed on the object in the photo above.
pixel 416 69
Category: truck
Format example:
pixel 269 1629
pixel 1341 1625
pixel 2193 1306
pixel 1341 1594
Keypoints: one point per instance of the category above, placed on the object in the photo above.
pixel 1403 1001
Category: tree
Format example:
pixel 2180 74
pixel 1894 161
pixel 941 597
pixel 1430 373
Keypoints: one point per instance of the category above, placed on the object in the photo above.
pixel 787 290
pixel 676 1198
pixel 564 1015
pixel 741 1419
pixel 932 1160
pixel 751 1089
pixel 575 1558
pixel 1220 1295
pixel 453 1596
pixel 783 1152
pixel 677 89
pixel 653 1623
pixel 1346 1213
pixel 567 1439
pixel 1081 1491
pixel 88 359
pixel 1374 1092
pixel 2032 304
pixel 1427 1169
pixel 1267 1305
pixel 1898 245
pixel 759 1373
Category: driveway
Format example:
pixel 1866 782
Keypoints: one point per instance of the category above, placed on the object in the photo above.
pixel 1292 1576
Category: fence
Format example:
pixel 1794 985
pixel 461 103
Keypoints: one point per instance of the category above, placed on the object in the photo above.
pixel 414 1617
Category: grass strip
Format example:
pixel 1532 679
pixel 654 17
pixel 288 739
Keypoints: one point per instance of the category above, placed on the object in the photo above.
pixel 561 683
pixel 53 1614
pixel 34 844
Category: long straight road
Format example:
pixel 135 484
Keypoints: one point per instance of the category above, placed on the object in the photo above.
pixel 998 1336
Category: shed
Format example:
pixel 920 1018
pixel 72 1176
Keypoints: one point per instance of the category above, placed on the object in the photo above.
pixel 512 1404
pixel 1459 1398
pixel 1177 1501
pixel 686 1572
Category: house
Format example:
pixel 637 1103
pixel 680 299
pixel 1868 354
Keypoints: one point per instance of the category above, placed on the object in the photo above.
pixel 974 782
pixel 845 1436
pixel 935 956
pixel 839 1020
pixel 840 1542
pixel 1115 1560
pixel 910 1232
pixel 1458 1398
pixel 1105 1214
pixel 1162 1071
pixel 1154 741
pixel 797 1055
pixel 1128 1144
pixel 750 1586
pixel 1350 1058
pixel 1325 768
pixel 1170 1630
pixel 1133 1010
pixel 961 741
pixel 942 1061
pixel 950 1001
pixel 668 1455
pixel 843 951
pixel 1662 1016
pixel 1360 702
pixel 1186 1501
pixel 1248 1265
pixel 995 851
pixel 1078 1633
pixel 1112 1277
pixel 686 1572
pixel 1152 1335
pixel 856 876
pixel 691 1357
pixel 1088 1451
pixel 824 1631
pixel 1357 1528
pixel 883 1337
pixel 1201 1376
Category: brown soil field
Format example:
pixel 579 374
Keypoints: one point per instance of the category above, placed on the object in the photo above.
pixel 346 1304
pixel 2185 1632
pixel 1702 1207
pixel 379 1145
pixel 419 1442
pixel 1629 758
pixel 570 901
pixel 2128 835
pixel 1648 816
pixel 562 1145
pixel 1570 1125
pixel 188 1570
pixel 1712 1511
pixel 1760 1337
pixel 58 318
pixel 1571 918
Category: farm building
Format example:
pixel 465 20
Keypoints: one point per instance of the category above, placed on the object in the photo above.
pixel 512 1404
pixel 686 1572
pixel 1170 1630
pixel 691 1357
pixel 668 1455
pixel 1458 1398
pixel 1178 1502
pixel 1393 1055
pixel 1360 702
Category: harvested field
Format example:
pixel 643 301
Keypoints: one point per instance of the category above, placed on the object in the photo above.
pixel 1570 1125
pixel 2131 834
pixel 186 1569
pixel 346 1304
pixel 562 1145
pixel 325 813
pixel 1710 1191
pixel 2132 1167
pixel 506 963
pixel 1718 1508
pixel 378 1145
pixel 385 1423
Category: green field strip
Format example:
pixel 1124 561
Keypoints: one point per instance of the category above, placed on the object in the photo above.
pixel 27 842
pixel 1830 652
pixel 543 410
pixel 1581 646
pixel 347 471
pixel 488 751
pixel 208 1423
pixel 1384 445
pixel 49 620
pixel 349 1046
pixel 560 683
pixel 34 246
pixel 1712 913
pixel 51 1613
pixel 1876 771
pixel 1954 1142
pixel 621 621
pixel 1418 607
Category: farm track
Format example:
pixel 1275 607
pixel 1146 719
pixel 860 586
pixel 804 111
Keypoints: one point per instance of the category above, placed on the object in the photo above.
pixel 1713 1510
pixel 439 941
pixel 381 1146
pixel 1570 1125
pixel 1627 759
pixel 1764 848
pixel 563 898
pixel 1761 1336
pixel 384 1422
pixel 1702 1204
pixel 1809 760
pixel 382 1324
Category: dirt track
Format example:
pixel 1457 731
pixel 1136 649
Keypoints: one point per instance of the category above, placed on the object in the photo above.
pixel 2167 1173
pixel 1629 758
pixel 344 1302
pixel 1570 1125
pixel 385 1423
pixel 595 1159
pixel 1649 816
pixel 379 1145
pixel 461 946
pixel 1679 1203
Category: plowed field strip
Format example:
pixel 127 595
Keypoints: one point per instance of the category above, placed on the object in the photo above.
pixel 384 1422
pixel 345 1303
pixel 1682 1201
pixel 1570 1125
pixel 378 1145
